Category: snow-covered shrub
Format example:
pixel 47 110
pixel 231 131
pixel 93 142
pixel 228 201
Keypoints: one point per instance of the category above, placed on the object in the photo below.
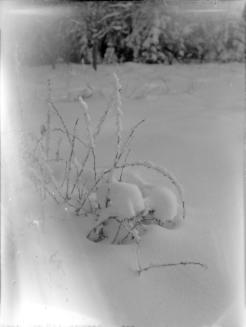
pixel 149 31
pixel 214 39
pixel 119 203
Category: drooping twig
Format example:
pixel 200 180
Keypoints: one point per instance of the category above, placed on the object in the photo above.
pixel 182 263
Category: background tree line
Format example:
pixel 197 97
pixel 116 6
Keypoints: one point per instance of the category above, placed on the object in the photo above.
pixel 146 31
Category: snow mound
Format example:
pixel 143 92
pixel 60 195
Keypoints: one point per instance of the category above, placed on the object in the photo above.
pixel 160 201
pixel 163 202
pixel 125 199
pixel 135 178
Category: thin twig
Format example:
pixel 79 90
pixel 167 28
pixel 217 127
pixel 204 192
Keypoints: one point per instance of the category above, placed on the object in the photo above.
pixel 43 164
pixel 81 171
pixel 51 104
pixel 103 118
pixel 129 232
pixel 49 90
pixel 59 142
pixel 57 129
pixel 38 143
pixel 119 113
pixel 94 187
pixel 129 138
pixel 94 163
pixel 137 258
pixel 47 133
pixel 65 174
pixel 182 263
pixel 71 156
pixel 40 182
pixel 117 232
pixel 125 161
pixel 89 132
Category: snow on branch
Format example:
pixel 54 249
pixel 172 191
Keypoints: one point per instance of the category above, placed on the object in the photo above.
pixel 119 114
pixel 87 119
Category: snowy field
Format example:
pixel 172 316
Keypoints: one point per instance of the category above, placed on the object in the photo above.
pixel 194 127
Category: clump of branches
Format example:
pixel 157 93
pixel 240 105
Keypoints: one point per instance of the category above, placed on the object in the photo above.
pixel 57 145
pixel 44 152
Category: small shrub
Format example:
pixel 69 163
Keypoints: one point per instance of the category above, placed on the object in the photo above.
pixel 58 171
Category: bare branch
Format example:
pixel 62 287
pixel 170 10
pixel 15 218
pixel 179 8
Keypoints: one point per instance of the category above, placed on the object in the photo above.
pixel 57 129
pixel 103 118
pixel 71 156
pixel 129 138
pixel 125 161
pixel 81 170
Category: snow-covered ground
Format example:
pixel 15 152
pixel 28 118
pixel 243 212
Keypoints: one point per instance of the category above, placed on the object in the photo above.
pixel 194 127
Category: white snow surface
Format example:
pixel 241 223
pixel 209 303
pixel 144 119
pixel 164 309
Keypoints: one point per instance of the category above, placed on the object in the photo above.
pixel 195 129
